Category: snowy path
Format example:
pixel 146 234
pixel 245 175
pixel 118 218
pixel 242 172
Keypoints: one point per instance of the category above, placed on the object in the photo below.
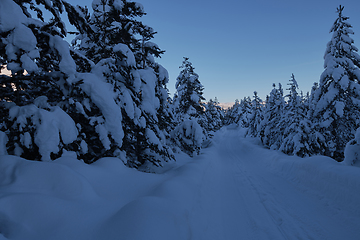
pixel 235 189
pixel 239 197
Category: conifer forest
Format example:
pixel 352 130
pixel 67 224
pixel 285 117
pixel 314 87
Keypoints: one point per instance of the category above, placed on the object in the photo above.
pixel 102 101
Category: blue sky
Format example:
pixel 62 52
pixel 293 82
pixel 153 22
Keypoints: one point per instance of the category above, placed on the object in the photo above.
pixel 238 47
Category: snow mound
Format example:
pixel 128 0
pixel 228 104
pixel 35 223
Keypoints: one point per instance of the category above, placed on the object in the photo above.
pixel 146 218
pixel 324 176
pixel 46 178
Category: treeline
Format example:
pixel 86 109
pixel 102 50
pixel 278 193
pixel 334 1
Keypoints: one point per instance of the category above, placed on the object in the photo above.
pixel 321 122
pixel 103 96
pixel 106 96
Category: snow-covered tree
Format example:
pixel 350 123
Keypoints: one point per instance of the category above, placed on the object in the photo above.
pixel 256 116
pixel 123 56
pixel 270 128
pixel 352 151
pixel 188 136
pixel 104 97
pixel 309 100
pixel 214 115
pixel 243 118
pixel 189 110
pixel 337 110
pixel 35 46
pixel 296 128
pixel 34 99
pixel 189 92
pixel 232 113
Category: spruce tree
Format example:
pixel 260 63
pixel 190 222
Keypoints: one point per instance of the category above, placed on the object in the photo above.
pixel 123 56
pixel 91 100
pixel 189 110
pixel 336 113
pixel 296 127
pixel 256 116
pixel 214 115
pixel 232 113
pixel 244 111
pixel 189 92
pixel 34 99
pixel 270 128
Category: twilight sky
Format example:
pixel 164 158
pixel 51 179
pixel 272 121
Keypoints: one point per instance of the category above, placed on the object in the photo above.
pixel 238 47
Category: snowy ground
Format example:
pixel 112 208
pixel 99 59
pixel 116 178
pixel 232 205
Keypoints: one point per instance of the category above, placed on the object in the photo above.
pixel 235 190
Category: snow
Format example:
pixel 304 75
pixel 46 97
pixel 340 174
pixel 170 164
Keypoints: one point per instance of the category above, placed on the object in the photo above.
pixel 84 147
pixel 100 8
pixel 21 40
pixel 339 106
pixel 102 95
pixel 195 97
pixel 139 6
pixel 11 16
pixel 352 151
pixel 125 50
pixel 3 141
pixel 137 79
pixel 163 74
pixel 128 104
pixel 28 64
pixel 344 82
pixel 236 189
pixel 67 64
pixel 118 5
pixel 151 136
pixel 103 135
pixel 25 139
pixel 52 126
pixel 150 103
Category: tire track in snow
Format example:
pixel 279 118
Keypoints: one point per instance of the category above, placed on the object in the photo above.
pixel 258 200
pixel 236 194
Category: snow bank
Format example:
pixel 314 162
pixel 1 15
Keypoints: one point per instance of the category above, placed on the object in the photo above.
pixel 36 196
pixel 67 199
pixel 44 178
pixel 321 175
pixel 146 218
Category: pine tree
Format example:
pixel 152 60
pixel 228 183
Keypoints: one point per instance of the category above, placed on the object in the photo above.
pixel 336 113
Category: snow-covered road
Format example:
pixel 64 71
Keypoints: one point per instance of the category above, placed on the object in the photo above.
pixel 241 196
pixel 235 189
